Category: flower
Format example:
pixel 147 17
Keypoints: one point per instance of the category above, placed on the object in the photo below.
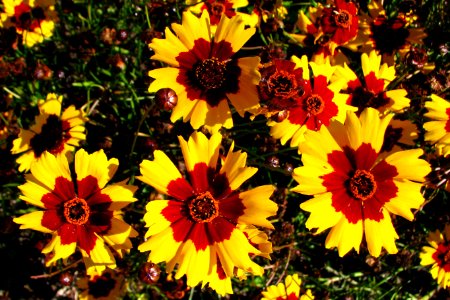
pixel 34 20
pixel 108 285
pixel 327 27
pixel 387 35
pixel 438 128
pixel 204 72
pixel 290 290
pixel 198 227
pixel 84 213
pixel 307 102
pixel 371 90
pixel 354 191
pixel 52 131
pixel 438 255
pixel 217 8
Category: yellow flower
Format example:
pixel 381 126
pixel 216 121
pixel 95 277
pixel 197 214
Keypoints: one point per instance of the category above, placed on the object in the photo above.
pixel 34 20
pixel 438 128
pixel 371 90
pixel 309 103
pixel 198 227
pixel 438 255
pixel 354 190
pixel 108 285
pixel 84 214
pixel 204 72
pixel 290 290
pixel 53 132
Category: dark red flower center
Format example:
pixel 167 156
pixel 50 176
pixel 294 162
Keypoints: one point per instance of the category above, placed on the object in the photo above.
pixel 217 9
pixel 54 133
pixel 343 18
pixel 76 211
pixel 314 104
pixel 210 73
pixel 283 84
pixel 203 208
pixel 362 185
pixel 362 98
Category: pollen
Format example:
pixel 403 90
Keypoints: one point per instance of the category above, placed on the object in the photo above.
pixel 314 104
pixel 204 208
pixel 210 73
pixel 217 9
pixel 282 84
pixel 76 211
pixel 343 18
pixel 362 185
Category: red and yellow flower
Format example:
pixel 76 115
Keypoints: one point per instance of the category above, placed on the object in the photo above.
pixel 108 285
pixel 34 20
pixel 289 290
pixel 217 8
pixel 354 191
pixel 438 128
pixel 328 27
pixel 371 91
pixel 83 214
pixel 387 35
pixel 438 256
pixel 204 71
pixel 53 131
pixel 307 103
pixel 198 227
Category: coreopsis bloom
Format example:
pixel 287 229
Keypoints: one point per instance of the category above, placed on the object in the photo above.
pixel 387 35
pixel 33 20
pixel 328 27
pixel 217 8
pixel 289 290
pixel 438 128
pixel 354 190
pixel 371 90
pixel 438 256
pixel 53 131
pixel 198 227
pixel 305 103
pixel 84 213
pixel 204 72
pixel 108 285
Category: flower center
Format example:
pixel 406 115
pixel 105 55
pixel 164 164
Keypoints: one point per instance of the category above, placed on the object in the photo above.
pixel 52 136
pixel 217 9
pixel 204 208
pixel 362 185
pixel 314 104
pixel 282 84
pixel 76 211
pixel 210 73
pixel 343 18
pixel 27 18
pixel 362 98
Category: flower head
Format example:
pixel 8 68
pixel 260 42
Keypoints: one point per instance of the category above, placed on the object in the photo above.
pixel 204 72
pixel 34 20
pixel 308 103
pixel 289 290
pixel 371 91
pixel 354 189
pixel 438 256
pixel 438 128
pixel 53 131
pixel 82 213
pixel 198 227
pixel 387 35
pixel 108 285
